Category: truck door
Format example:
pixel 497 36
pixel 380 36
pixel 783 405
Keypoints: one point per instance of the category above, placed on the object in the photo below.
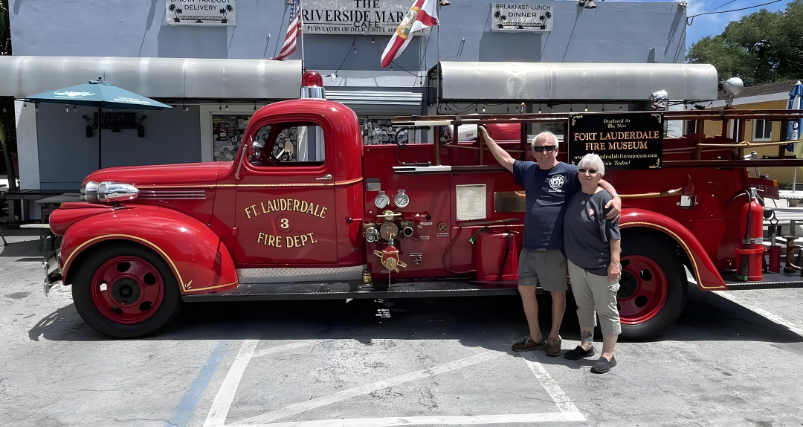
pixel 285 204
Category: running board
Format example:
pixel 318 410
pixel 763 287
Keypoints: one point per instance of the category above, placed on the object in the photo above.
pixel 769 281
pixel 356 290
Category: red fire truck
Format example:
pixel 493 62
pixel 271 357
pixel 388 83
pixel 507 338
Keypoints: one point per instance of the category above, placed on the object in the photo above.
pixel 306 211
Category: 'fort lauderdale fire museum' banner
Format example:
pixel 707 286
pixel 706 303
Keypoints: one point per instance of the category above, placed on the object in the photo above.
pixel 623 141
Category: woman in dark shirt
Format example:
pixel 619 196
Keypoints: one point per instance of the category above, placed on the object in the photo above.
pixel 592 246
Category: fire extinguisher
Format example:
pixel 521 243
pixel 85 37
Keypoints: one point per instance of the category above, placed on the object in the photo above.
pixel 752 222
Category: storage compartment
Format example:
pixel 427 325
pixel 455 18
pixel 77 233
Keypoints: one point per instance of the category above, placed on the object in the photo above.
pixel 497 256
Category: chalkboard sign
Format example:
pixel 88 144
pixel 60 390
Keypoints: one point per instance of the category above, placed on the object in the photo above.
pixel 623 141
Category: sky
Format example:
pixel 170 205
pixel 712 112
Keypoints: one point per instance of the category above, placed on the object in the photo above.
pixel 710 25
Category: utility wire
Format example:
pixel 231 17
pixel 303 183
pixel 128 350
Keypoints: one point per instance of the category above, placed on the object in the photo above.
pixel 690 19
pixel 722 5
pixel 347 55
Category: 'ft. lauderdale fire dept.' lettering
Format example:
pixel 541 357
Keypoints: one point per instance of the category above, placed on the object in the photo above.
pixel 289 241
pixel 279 205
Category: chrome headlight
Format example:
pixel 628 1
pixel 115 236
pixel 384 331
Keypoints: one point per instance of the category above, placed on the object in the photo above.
pixel 90 192
pixel 110 192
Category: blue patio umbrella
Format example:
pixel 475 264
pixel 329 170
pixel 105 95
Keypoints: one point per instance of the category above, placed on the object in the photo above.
pixel 794 127
pixel 98 94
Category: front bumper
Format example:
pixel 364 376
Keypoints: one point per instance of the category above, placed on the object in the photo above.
pixel 50 265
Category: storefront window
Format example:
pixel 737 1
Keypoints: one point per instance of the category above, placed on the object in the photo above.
pixel 227 132
pixel 378 130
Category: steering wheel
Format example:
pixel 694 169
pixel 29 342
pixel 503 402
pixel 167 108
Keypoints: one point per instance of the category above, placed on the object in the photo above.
pixel 261 158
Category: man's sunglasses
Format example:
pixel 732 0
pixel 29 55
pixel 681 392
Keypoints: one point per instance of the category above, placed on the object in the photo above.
pixel 547 148
pixel 590 171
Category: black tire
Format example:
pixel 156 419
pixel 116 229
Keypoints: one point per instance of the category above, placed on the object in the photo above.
pixel 665 254
pixel 166 312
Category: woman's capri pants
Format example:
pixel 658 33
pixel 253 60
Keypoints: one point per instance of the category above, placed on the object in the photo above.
pixel 593 292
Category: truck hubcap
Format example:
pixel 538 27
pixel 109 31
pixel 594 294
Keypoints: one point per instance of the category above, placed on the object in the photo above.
pixel 642 291
pixel 127 289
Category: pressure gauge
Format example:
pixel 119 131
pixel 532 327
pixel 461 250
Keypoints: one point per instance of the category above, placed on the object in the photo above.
pixel 401 199
pixel 381 200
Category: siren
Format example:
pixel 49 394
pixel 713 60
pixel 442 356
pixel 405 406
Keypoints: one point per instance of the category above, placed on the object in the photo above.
pixel 312 86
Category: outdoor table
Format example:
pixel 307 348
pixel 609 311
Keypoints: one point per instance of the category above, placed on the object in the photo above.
pixel 27 195
pixel 49 204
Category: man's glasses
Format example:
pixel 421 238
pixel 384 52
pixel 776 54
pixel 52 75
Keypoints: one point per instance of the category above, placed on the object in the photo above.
pixel 547 148
pixel 590 171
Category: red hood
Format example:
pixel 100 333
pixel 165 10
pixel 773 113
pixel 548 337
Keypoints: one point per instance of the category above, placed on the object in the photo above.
pixel 178 174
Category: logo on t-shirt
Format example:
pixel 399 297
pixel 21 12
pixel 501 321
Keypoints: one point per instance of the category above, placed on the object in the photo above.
pixel 556 182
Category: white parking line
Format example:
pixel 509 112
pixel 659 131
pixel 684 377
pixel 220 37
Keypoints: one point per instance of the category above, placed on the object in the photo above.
pixel 548 417
pixel 728 295
pixel 220 407
pixel 368 388
pixel 558 396
pixel 225 396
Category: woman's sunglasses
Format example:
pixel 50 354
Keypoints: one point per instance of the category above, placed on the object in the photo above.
pixel 547 148
pixel 590 171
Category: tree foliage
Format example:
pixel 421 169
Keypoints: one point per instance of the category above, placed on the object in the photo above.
pixel 762 47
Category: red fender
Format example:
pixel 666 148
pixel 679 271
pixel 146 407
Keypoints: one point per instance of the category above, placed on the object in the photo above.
pixel 200 261
pixel 704 270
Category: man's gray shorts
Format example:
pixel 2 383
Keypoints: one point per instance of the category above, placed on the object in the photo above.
pixel 546 267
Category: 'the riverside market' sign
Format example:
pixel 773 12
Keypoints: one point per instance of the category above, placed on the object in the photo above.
pixel 380 17
pixel 201 12
pixel 521 17
pixel 623 141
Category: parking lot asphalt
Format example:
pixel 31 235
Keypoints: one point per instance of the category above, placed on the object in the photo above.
pixel 731 359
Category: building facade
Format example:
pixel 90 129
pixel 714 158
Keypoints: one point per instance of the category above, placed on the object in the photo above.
pixel 216 74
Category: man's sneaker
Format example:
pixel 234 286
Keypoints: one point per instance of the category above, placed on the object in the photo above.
pixel 579 353
pixel 552 347
pixel 527 344
pixel 603 365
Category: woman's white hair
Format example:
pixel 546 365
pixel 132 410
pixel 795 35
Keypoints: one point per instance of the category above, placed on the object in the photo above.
pixel 543 137
pixel 592 161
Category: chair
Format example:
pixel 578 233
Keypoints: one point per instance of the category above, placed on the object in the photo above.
pixel 2 200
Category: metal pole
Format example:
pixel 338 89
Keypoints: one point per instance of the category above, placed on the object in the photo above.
pixel 100 133
pixel 301 20
pixel 438 50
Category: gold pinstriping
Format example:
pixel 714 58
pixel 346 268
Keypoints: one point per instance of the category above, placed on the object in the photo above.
pixel 184 286
pixel 311 184
pixel 685 247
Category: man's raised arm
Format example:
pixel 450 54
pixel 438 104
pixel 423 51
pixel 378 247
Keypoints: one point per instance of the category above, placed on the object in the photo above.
pixel 499 154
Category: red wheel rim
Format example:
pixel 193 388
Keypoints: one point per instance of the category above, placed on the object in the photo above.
pixel 127 289
pixel 643 289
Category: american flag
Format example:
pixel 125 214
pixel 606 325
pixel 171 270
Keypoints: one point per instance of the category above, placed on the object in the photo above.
pixel 293 30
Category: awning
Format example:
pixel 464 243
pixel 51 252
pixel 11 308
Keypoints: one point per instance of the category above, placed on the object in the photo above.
pixel 537 81
pixel 378 103
pixel 155 77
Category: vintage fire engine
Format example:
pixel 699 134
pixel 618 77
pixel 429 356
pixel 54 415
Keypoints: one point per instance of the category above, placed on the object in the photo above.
pixel 307 211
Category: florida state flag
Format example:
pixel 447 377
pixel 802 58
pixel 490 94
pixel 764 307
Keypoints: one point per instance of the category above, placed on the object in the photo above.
pixel 424 13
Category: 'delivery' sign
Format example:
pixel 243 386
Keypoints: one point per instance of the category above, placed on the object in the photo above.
pixel 623 141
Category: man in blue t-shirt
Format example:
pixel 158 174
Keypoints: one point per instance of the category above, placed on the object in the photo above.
pixel 548 185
